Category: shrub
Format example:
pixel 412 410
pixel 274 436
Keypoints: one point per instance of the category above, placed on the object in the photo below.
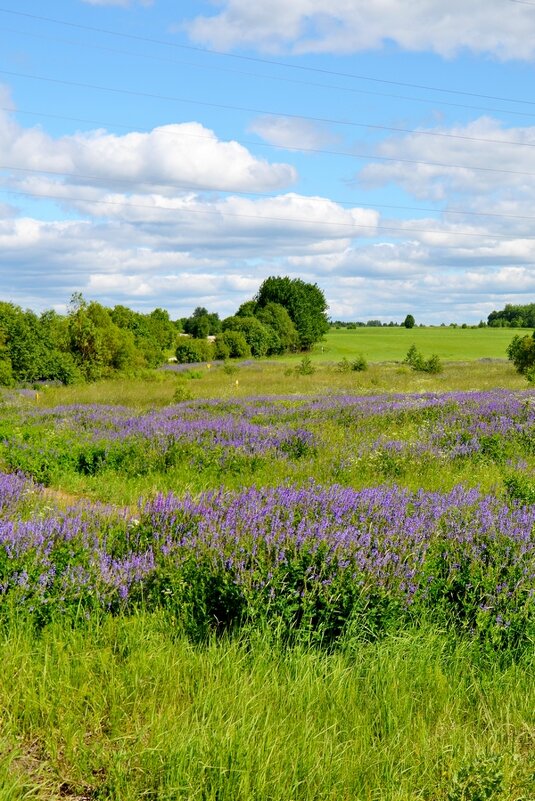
pixel 305 367
pixel 521 352
pixel 6 373
pixel 190 351
pixel 359 364
pixel 344 366
pixel 236 344
pixel 433 365
pixel 182 393
pixel 416 360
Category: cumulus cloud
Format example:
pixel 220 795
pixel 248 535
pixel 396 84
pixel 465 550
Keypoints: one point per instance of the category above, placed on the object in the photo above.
pixel 169 158
pixel 344 26
pixel 293 133
pixel 131 235
pixel 494 173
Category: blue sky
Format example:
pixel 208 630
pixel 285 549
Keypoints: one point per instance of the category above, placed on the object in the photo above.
pixel 155 153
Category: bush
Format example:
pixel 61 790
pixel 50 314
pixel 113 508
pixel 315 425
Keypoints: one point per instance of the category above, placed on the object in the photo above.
pixel 344 366
pixel 235 343
pixel 191 351
pixel 416 360
pixel 182 393
pixel 6 373
pixel 359 364
pixel 521 352
pixel 305 367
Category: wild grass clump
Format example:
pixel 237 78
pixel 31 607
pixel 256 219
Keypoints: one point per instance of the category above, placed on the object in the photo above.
pixel 417 362
pixel 357 365
pixel 128 708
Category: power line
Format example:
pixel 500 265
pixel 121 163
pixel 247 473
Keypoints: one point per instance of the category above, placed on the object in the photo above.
pixel 252 143
pixel 261 217
pixel 259 60
pixel 266 112
pixel 266 195
pixel 248 73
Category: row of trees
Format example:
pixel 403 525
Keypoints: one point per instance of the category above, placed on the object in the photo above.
pixel 286 315
pixel 89 342
pixel 513 317
pixel 92 341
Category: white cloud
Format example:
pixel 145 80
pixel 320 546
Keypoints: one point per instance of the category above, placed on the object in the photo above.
pixel 149 243
pixel 291 132
pixel 498 179
pixel 304 26
pixel 169 158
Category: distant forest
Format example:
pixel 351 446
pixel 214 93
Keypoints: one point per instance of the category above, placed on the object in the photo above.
pixel 513 317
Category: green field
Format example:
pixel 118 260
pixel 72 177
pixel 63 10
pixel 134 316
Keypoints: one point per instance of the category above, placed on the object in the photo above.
pixel 391 344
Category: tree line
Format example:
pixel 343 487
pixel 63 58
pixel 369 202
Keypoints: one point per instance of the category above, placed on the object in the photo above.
pixel 513 316
pixel 88 343
pixel 92 342
pixel 286 315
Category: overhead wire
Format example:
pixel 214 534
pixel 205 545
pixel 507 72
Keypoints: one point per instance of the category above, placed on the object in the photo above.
pixel 368 92
pixel 282 114
pixel 255 143
pixel 269 218
pixel 199 187
pixel 260 60
pixel 266 112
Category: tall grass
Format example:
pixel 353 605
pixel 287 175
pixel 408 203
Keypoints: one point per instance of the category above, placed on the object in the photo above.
pixel 276 378
pixel 120 709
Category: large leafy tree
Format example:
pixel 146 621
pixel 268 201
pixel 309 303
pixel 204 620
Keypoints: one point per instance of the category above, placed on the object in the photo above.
pixel 304 302
pixel 521 352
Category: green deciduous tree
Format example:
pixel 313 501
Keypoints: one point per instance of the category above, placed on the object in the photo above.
pixel 257 336
pixel 521 352
pixel 304 302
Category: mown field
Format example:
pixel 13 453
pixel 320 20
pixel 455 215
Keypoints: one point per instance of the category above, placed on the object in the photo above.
pixel 383 344
pixel 247 583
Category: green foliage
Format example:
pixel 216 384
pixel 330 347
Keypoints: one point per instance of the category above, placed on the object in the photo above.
pixel 182 393
pixel 409 321
pixel 305 366
pixel 513 317
pixel 221 350
pixel 191 351
pixel 202 324
pixel 96 343
pixel 153 333
pixel 230 369
pixel 256 335
pixel 284 333
pixel 6 373
pixel 480 780
pixel 358 365
pixel 521 352
pixel 417 361
pixel 234 344
pixel 304 302
pixel 520 488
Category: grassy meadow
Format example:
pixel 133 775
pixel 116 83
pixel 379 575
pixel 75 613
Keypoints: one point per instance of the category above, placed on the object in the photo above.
pixel 237 583
pixel 383 344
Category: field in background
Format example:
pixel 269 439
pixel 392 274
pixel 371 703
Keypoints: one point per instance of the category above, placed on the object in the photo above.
pixel 380 344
